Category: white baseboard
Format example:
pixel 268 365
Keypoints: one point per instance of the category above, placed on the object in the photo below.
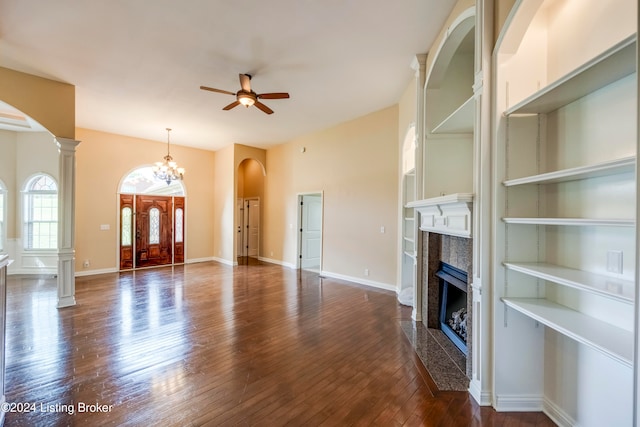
pixel 221 261
pixel 196 260
pixel 519 403
pixel 482 398
pixel 69 301
pixel 96 271
pixel 359 280
pixel 557 414
pixel 36 271
pixel 278 262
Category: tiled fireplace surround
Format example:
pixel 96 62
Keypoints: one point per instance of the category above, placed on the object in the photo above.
pixel 452 250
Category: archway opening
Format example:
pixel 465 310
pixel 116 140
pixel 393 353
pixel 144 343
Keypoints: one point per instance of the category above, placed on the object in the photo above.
pixel 249 195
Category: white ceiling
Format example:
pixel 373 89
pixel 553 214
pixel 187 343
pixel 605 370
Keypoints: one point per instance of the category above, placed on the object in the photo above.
pixel 137 65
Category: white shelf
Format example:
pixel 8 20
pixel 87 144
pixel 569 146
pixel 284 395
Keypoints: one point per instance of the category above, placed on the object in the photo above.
pixel 610 287
pixel 572 221
pixel 614 342
pixel 618 166
pixel 460 121
pixel 606 68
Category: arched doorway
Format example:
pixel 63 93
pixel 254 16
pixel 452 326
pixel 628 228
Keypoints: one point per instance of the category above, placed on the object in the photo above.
pixel 152 228
pixel 250 193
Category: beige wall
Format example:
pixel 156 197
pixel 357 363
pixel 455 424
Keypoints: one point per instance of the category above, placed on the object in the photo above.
pixel 103 159
pixel 224 205
pixel 250 179
pixel 50 103
pixel 355 165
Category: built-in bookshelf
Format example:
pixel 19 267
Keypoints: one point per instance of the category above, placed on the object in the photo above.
pixel 565 160
pixel 450 112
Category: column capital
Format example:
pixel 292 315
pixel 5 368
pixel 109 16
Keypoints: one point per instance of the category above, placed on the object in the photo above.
pixel 66 144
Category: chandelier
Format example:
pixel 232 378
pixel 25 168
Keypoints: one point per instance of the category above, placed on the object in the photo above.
pixel 168 170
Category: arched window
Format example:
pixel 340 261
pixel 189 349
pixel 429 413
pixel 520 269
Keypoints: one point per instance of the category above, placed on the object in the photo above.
pixel 40 213
pixel 142 181
pixel 3 215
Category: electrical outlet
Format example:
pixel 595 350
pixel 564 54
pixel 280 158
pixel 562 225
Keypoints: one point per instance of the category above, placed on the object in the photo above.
pixel 614 262
pixel 86 263
pixel 366 271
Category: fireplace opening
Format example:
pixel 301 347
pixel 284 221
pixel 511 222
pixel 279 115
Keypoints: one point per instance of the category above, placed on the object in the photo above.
pixel 453 304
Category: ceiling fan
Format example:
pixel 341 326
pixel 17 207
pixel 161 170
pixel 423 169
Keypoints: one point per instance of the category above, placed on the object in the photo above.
pixel 248 97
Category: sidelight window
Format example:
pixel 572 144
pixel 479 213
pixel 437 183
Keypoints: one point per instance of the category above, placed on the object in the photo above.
pixel 179 223
pixel 126 226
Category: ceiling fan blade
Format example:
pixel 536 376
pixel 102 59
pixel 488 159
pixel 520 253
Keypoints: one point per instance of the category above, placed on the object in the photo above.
pixel 245 82
pixel 275 95
pixel 263 107
pixel 216 90
pixel 233 104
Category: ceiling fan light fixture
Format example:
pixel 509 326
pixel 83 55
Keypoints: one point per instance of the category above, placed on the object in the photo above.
pixel 246 99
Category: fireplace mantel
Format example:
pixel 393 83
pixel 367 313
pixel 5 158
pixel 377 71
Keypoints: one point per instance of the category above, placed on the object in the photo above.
pixel 450 214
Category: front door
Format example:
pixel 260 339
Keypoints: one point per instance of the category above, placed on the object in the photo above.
pixel 153 230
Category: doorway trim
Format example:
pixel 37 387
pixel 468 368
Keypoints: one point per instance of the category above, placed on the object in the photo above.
pixel 134 194
pixel 300 234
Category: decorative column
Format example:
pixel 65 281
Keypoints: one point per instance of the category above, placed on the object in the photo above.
pixel 419 65
pixel 66 221
pixel 480 352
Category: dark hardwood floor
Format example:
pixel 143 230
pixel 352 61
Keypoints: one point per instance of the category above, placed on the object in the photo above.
pixel 208 344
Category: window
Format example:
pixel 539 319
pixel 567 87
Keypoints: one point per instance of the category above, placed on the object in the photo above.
pixel 179 222
pixel 154 226
pixel 126 226
pixel 41 213
pixel 3 215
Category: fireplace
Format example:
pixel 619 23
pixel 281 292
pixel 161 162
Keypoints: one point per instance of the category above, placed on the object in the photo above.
pixel 445 225
pixel 438 250
pixel 453 304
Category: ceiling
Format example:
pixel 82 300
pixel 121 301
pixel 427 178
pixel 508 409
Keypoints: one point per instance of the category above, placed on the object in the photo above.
pixel 137 65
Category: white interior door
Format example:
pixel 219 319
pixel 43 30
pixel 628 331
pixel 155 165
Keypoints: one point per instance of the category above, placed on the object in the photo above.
pixel 253 227
pixel 311 231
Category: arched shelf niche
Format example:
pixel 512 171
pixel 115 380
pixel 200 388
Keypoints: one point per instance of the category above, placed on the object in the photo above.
pixel 449 110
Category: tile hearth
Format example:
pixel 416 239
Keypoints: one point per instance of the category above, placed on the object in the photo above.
pixel 443 360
